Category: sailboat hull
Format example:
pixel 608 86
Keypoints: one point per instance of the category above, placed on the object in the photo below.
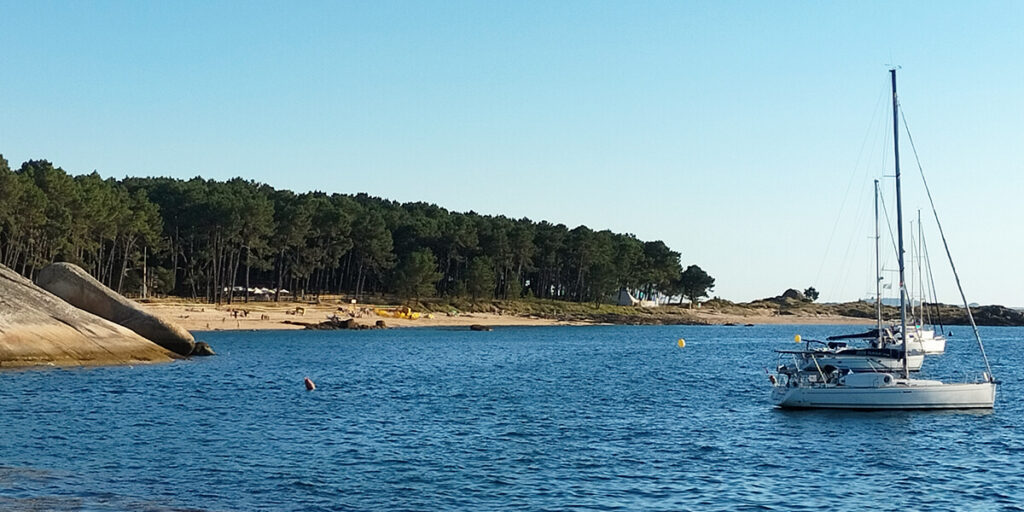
pixel 932 346
pixel 863 363
pixel 911 394
pixel 927 341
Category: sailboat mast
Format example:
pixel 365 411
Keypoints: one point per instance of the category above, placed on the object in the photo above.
pixel 918 317
pixel 899 224
pixel 878 272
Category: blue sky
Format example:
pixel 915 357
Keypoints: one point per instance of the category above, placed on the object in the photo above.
pixel 743 134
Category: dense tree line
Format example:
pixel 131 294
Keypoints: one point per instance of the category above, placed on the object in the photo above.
pixel 216 240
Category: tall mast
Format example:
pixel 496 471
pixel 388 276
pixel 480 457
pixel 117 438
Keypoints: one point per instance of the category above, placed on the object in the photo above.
pixel 919 316
pixel 899 224
pixel 878 272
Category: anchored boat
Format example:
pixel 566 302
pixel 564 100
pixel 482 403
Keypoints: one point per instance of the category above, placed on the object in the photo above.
pixel 836 388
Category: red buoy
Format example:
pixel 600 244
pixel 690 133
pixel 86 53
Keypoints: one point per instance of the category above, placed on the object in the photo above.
pixel 309 384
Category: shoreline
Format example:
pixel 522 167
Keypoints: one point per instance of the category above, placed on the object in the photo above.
pixel 195 317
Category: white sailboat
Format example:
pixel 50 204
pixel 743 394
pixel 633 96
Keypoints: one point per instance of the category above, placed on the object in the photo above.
pixel 866 359
pixel 885 354
pixel 839 389
pixel 919 336
pixel 922 340
pixel 925 340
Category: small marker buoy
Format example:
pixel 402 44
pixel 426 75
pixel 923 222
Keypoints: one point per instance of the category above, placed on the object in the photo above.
pixel 796 339
pixel 309 384
pixel 681 343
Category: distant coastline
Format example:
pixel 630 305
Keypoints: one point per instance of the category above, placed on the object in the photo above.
pixel 290 315
pixel 196 316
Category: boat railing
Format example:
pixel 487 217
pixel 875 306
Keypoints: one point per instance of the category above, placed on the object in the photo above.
pixel 973 377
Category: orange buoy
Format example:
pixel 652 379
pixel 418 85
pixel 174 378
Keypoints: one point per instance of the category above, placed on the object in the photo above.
pixel 309 384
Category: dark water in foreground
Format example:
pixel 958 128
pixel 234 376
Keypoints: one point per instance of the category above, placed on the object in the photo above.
pixel 542 418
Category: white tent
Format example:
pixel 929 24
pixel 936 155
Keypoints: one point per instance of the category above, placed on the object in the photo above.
pixel 625 298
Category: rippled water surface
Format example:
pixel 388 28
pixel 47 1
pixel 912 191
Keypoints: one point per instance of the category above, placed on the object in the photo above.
pixel 539 418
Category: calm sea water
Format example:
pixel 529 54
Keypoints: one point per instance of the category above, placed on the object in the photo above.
pixel 540 418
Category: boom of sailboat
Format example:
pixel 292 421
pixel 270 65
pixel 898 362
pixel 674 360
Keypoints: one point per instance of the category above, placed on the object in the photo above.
pixel 831 374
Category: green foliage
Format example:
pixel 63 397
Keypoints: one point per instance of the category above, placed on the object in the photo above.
pixel 47 215
pixel 695 283
pixel 811 294
pixel 513 289
pixel 372 247
pixel 417 275
pixel 480 279
pixel 208 238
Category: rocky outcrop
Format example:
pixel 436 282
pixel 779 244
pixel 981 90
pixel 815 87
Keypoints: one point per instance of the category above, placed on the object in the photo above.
pixel 983 315
pixel 38 328
pixel 81 290
pixel 203 348
pixel 336 323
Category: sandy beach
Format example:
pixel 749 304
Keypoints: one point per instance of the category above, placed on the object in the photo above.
pixel 292 315
pixel 716 318
pixel 196 316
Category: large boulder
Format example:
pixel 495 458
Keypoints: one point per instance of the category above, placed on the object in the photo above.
pixel 81 290
pixel 203 349
pixel 38 328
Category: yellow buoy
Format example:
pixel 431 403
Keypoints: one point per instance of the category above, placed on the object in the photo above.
pixel 796 338
pixel 681 343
